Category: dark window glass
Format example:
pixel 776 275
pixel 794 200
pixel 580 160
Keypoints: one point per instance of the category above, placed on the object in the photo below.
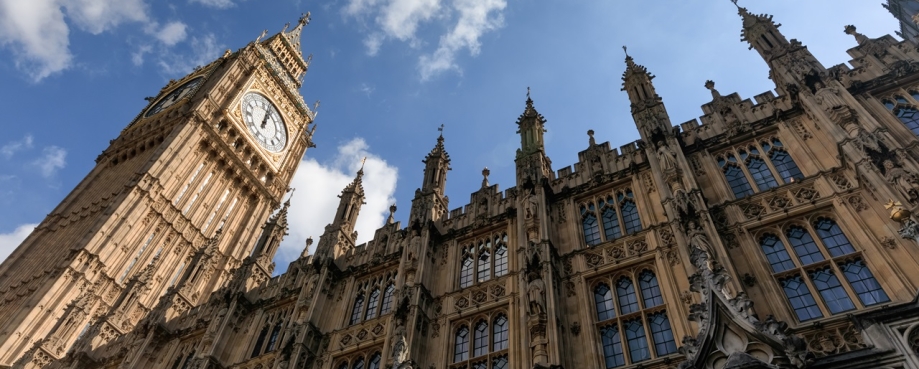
pixel 914 94
pixel 591 229
pixel 480 339
pixel 867 288
pixel 359 364
pixel 762 176
pixel 659 325
pixel 888 104
pixel 800 298
pixel 372 304
pixel 738 182
pixel 611 224
pixel 387 299
pixel 461 345
pixel 375 361
pixel 273 338
pixel 776 254
pixel 910 118
pixel 625 290
pixel 484 272
pixel 480 365
pixel 831 235
pixel 630 217
pixel 259 341
pixel 499 333
pixel 604 300
pixel 358 308
pixel 901 100
pixel 343 366
pixel 187 364
pixel 804 245
pixel 835 297
pixel 499 362
pixel 786 166
pixel 612 346
pixel 638 344
pixel 650 291
pixel 501 261
pixel 466 272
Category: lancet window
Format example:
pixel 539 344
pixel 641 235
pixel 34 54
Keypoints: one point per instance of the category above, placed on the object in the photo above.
pixel 481 341
pixel 905 110
pixel 632 319
pixel 826 276
pixel 374 298
pixel 271 333
pixel 483 259
pixel 371 360
pixel 609 217
pixel 757 167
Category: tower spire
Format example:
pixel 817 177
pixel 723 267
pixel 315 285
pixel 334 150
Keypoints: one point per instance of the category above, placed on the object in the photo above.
pixel 761 33
pixel 636 81
pixel 531 126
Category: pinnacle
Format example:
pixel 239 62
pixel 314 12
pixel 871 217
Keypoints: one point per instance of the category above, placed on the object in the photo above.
pixel 294 35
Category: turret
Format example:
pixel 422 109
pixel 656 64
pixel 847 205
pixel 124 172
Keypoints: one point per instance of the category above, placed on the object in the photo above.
pixel 339 236
pixel 647 107
pixel 429 202
pixel 761 33
pixel 532 163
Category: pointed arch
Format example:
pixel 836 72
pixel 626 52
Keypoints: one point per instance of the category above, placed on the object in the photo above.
pixel 650 290
pixel 499 333
pixel 461 344
pixel 603 299
pixel 480 339
pixel 357 309
pixel 466 272
pixel 589 225
pixel 501 261
pixel 761 174
pixel 372 304
pixel 625 292
pixel 387 299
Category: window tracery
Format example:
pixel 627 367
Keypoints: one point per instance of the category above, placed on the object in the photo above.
pixel 642 323
pixel 489 339
pixel 483 259
pixel 369 291
pixel 765 163
pixel 905 111
pixel 618 216
pixel 822 260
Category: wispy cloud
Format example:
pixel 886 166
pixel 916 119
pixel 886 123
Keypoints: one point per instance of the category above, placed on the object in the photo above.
pixel 204 49
pixel 366 89
pixel 467 21
pixel 11 148
pixel 317 185
pixel 220 4
pixel 9 241
pixel 53 159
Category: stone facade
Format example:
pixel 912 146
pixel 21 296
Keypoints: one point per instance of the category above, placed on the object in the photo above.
pixel 775 233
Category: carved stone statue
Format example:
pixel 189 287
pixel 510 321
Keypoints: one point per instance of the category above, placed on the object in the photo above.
pixel 536 294
pixel 531 205
pixel 399 350
pixel 828 96
pixel 698 239
pixel 666 157
pixel 905 182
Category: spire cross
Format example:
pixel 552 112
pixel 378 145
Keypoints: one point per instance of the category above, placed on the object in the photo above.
pixel 364 160
pixel 441 130
pixel 528 92
pixel 626 50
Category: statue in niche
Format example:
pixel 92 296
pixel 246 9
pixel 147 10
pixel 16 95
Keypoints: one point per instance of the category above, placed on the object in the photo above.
pixel 827 96
pixel 698 239
pixel 399 350
pixel 905 182
pixel 536 294
pixel 666 157
pixel 531 205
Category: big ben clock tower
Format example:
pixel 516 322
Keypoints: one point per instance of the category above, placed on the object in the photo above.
pixel 195 173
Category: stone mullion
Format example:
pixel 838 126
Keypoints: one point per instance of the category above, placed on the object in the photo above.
pixel 670 292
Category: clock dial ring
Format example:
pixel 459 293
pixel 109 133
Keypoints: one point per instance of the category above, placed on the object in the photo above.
pixel 264 122
pixel 174 96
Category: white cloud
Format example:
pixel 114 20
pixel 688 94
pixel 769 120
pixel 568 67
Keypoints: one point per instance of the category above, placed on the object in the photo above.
pixel 205 49
pixel 9 241
pixel 476 18
pixel 466 20
pixel 366 89
pixel 315 201
pixel 137 57
pixel 97 16
pixel 220 4
pixel 13 147
pixel 35 32
pixel 53 158
pixel 171 33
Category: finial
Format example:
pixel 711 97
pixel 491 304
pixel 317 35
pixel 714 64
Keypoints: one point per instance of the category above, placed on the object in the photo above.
pixel 711 86
pixel 626 49
pixel 291 191
pixel 264 32
pixel 392 210
pixel 528 92
pixel 305 19
pixel 364 160
pixel 285 27
pixel 485 173
pixel 735 3
pixel 590 133
pixel 441 130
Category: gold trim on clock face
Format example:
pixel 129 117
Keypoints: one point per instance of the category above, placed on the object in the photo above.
pixel 175 96
pixel 264 122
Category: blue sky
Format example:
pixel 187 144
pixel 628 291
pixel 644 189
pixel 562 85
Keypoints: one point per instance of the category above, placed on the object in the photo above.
pixel 388 73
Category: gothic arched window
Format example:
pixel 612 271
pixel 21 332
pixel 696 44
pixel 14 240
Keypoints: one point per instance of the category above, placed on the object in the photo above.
pixel 800 297
pixel 603 298
pixel 910 118
pixel 461 344
pixel 273 338
pixel 836 242
pixel 776 253
pixel 804 245
pixel 638 344
pixel 480 339
pixel 629 212
pixel 343 365
pixel 499 333
pixel 862 281
pixel 257 349
pixel 589 223
pixel 611 224
pixel 375 361
pixel 625 291
pixel 358 308
pixel 650 290
pixel 501 261
pixel 664 344
pixel 612 346
pixel 484 267
pixel 783 163
pixel 738 181
pixel 834 295
pixel 372 304
pixel 358 364
pixel 762 176
pixel 466 272
pixel 387 299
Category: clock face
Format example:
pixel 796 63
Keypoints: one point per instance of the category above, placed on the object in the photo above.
pixel 264 122
pixel 175 96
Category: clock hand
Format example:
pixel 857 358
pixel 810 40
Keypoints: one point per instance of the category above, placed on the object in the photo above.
pixel 265 119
